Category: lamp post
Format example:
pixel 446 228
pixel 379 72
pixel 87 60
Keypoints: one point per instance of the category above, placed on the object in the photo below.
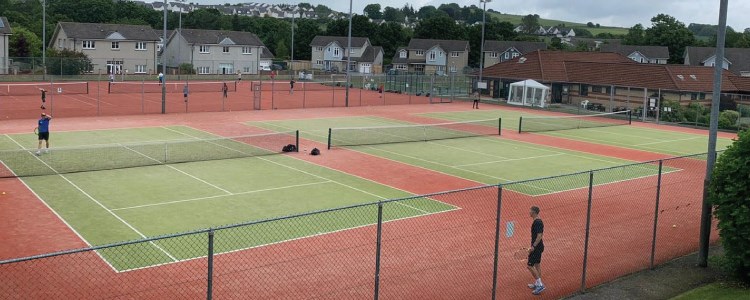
pixel 164 64
pixel 705 232
pixel 179 45
pixel 291 59
pixel 349 55
pixel 481 53
pixel 44 39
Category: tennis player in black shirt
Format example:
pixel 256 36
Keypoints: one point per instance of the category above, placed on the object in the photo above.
pixel 535 252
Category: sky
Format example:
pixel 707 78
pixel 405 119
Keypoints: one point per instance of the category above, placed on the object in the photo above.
pixel 606 12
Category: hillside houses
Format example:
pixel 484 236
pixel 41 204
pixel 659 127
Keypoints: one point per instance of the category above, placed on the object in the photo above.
pixel 251 9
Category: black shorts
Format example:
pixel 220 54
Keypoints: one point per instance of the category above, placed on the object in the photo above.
pixel 535 257
pixel 44 136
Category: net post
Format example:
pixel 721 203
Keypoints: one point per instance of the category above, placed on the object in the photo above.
pixel 520 121
pixel 210 258
pixel 87 87
pixel 630 117
pixel 588 227
pixel 497 240
pixel 656 213
pixel 378 244
pixel 330 130
pixel 499 126
pixel 296 139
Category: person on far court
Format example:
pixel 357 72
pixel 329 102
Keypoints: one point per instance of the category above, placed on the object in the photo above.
pixel 161 77
pixel 224 90
pixel 185 92
pixel 43 127
pixel 44 97
pixel 239 75
pixel 476 100
pixel 291 87
pixel 534 263
pixel 111 77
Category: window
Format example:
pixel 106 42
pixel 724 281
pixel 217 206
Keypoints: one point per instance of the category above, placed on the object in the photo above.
pixel 402 54
pixel 440 53
pixel 432 55
pixel 401 67
pixel 455 54
pixel 336 51
pixel 247 50
pixel 115 45
pixel 204 70
pixel 694 96
pixel 225 49
pixel 319 62
pixel 141 46
pixel 203 49
pixel 320 49
pixel 246 70
pixel 352 50
pixel 419 52
pixel 493 55
pixel 453 69
pixel 419 68
pixel 515 54
pixel 701 96
pixel 584 90
pixel 89 45
pixel 59 43
pixel 507 55
pixel 140 69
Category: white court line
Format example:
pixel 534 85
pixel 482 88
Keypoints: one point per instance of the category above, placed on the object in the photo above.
pixel 310 174
pixel 514 159
pixel 670 141
pixel 178 170
pixel 610 182
pixel 59 217
pixel 624 145
pixel 221 196
pixel 95 201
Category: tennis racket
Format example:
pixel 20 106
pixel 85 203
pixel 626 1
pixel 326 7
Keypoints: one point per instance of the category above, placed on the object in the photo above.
pixel 36 131
pixel 521 254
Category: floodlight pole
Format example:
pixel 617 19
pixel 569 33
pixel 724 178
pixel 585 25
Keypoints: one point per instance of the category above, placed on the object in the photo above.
pixel 179 45
pixel 348 55
pixel 164 64
pixel 481 53
pixel 291 59
pixel 705 233
pixel 44 39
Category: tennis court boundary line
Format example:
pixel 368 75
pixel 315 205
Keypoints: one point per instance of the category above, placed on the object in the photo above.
pixel 565 135
pixel 611 182
pixel 96 201
pixel 220 196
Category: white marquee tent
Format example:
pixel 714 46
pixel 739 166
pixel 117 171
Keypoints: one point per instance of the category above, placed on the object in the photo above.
pixel 528 93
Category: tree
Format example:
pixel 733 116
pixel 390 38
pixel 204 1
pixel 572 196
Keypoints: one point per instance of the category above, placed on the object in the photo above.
pixel 390 36
pixel 441 27
pixel 598 25
pixel 361 27
pixel 426 12
pixel 530 24
pixel 453 10
pixel 67 62
pixel 580 32
pixel 86 11
pixel 731 197
pixel 281 50
pixel 391 14
pixel 635 36
pixel 372 11
pixel 590 25
pixel 667 31
pixel 304 33
pixel 557 44
pixel 24 43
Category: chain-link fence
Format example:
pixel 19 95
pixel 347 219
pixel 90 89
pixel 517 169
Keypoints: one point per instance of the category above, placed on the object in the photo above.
pixel 599 225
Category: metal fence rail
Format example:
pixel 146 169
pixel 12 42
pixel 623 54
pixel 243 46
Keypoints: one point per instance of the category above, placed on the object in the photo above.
pixel 599 225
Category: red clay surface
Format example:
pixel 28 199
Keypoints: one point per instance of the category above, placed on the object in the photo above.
pixel 443 256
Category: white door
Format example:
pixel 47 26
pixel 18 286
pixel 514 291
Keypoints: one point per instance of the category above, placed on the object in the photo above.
pixel 365 68
pixel 226 69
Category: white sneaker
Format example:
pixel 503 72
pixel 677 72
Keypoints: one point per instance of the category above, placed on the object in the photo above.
pixel 46 150
pixel 531 286
pixel 38 153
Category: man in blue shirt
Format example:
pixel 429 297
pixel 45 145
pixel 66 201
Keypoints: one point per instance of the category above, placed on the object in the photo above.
pixel 43 127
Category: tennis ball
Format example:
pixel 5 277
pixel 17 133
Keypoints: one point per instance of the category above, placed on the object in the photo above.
pixel 674 226
pixel 3 193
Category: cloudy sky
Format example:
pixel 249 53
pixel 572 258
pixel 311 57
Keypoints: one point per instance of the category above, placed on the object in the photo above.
pixel 624 13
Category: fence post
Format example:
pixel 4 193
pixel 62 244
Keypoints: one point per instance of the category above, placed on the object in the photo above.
pixel 656 213
pixel 329 138
pixel 296 140
pixel 588 227
pixel 499 126
pixel 497 241
pixel 98 99
pixel 520 121
pixel 210 283
pixel 377 250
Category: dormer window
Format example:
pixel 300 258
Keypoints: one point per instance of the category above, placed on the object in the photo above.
pixel 402 54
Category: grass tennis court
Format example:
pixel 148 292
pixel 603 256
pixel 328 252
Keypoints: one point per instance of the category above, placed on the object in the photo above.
pixel 485 159
pixel 647 139
pixel 116 205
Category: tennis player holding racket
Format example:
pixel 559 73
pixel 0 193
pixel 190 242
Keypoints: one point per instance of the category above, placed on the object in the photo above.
pixel 42 130
pixel 534 262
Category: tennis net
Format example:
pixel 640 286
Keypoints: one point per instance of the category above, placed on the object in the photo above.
pixel 128 87
pixel 26 89
pixel 26 162
pixel 554 123
pixel 303 85
pixel 355 136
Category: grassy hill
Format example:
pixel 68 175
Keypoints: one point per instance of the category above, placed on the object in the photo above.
pixel 516 19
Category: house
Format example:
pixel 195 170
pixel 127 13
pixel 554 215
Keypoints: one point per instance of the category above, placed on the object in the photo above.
pixel 560 32
pixel 539 31
pixel 592 44
pixel 328 53
pixel 217 51
pixel 736 60
pixel 5 32
pixel 432 57
pixel 610 79
pixel 112 48
pixel 499 51
pixel 641 54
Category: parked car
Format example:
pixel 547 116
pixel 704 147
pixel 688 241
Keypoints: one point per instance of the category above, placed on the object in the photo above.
pixel 265 68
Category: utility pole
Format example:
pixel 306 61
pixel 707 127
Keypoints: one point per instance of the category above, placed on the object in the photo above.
pixel 44 39
pixel 481 53
pixel 705 233
pixel 349 55
pixel 164 64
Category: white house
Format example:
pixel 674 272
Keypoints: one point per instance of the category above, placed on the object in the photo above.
pixel 217 51
pixel 5 32
pixel 328 53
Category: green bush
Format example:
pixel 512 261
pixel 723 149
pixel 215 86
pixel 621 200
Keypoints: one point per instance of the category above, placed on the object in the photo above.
pixel 729 192
pixel 728 119
pixel 187 68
